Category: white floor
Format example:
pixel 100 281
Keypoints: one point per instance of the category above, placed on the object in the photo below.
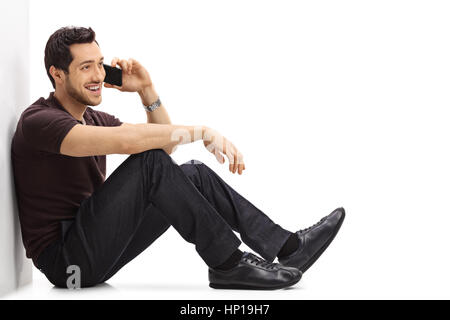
pixel 155 274
pixel 342 272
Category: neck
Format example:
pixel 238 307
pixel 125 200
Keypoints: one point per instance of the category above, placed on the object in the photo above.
pixel 75 108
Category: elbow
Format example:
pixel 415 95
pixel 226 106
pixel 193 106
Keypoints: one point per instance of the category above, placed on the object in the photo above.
pixel 168 150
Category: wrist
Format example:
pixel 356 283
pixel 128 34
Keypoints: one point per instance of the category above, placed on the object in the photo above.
pixel 148 95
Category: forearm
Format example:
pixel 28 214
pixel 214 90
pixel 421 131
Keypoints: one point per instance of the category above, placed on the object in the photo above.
pixel 146 136
pixel 160 115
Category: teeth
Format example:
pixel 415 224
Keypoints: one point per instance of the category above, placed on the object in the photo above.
pixel 93 88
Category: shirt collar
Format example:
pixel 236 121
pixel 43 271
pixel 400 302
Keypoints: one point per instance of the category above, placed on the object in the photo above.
pixel 53 101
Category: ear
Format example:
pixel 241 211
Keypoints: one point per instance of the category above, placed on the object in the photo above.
pixel 57 74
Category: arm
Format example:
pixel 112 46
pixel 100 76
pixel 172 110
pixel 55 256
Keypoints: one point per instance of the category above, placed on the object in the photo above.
pixel 164 135
pixel 84 141
pixel 160 115
pixel 135 78
pixel 146 136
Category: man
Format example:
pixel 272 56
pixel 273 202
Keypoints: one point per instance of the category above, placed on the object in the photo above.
pixel 72 219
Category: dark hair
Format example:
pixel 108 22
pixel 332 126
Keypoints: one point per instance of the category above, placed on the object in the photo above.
pixel 57 51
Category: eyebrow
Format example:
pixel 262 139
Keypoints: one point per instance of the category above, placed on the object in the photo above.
pixel 90 61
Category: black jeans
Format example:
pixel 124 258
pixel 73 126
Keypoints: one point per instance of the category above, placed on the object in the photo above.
pixel 140 200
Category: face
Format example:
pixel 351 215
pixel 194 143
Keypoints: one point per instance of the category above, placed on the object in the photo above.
pixel 86 74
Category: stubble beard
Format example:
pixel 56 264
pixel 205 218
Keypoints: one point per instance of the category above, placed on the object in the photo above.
pixel 71 91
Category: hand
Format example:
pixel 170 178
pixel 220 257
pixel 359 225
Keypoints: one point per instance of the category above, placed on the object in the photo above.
pixel 135 78
pixel 217 144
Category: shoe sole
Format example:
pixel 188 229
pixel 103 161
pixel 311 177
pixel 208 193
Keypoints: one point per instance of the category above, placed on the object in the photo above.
pixel 319 253
pixel 249 287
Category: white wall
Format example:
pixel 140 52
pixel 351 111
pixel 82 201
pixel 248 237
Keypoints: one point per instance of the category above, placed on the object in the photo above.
pixel 15 268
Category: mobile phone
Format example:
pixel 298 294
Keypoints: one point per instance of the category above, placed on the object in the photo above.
pixel 113 75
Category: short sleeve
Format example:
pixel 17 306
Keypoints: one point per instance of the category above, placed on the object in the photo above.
pixel 108 119
pixel 45 128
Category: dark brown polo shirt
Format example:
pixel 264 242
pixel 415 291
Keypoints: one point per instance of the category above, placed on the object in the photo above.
pixel 50 186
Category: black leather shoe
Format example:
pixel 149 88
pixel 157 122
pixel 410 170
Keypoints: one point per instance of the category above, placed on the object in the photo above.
pixel 253 272
pixel 314 240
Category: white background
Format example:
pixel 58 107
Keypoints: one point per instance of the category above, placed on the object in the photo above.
pixel 332 103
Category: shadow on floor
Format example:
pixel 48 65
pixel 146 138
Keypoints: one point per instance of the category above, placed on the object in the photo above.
pixel 103 286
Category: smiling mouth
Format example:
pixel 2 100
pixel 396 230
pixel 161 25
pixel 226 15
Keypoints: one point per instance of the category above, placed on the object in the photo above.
pixel 95 89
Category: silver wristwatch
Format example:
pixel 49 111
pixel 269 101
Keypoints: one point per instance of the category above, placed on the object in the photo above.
pixel 153 106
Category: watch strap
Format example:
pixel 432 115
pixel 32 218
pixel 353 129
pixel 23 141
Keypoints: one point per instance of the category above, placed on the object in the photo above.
pixel 153 106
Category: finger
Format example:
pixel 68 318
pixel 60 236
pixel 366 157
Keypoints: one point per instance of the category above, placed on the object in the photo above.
pixel 134 62
pixel 219 157
pixel 228 150
pixel 114 62
pixel 229 154
pixel 241 163
pixel 239 167
pixel 210 147
pixel 130 65
pixel 231 161
pixel 123 65
pixel 216 153
pixel 126 66
pixel 237 159
pixel 236 163
pixel 225 150
pixel 108 85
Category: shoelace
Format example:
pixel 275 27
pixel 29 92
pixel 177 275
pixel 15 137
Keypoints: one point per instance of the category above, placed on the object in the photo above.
pixel 309 228
pixel 260 261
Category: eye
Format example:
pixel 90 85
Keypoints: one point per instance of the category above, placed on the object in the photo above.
pixel 85 68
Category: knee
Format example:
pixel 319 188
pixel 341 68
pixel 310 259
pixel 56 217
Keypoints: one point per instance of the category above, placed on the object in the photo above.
pixel 159 154
pixel 193 162
pixel 194 166
pixel 156 152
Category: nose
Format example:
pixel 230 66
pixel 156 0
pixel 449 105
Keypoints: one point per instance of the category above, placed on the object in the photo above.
pixel 100 74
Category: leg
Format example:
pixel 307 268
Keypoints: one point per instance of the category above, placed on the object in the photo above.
pixel 151 228
pixel 107 222
pixel 257 230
